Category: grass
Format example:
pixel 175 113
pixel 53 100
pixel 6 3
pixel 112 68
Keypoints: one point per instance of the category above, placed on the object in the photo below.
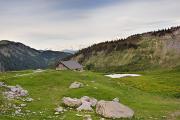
pixel 153 95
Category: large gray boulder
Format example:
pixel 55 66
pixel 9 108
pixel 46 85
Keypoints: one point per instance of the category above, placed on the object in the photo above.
pixel 71 102
pixel 76 85
pixel 113 110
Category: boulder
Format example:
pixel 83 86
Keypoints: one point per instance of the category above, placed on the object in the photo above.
pixel 71 102
pixel 93 101
pixel 113 110
pixel 76 85
pixel 85 106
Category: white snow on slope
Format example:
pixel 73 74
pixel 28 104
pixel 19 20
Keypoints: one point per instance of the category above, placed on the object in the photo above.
pixel 122 75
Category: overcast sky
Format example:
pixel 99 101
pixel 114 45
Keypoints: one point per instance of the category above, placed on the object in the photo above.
pixel 73 24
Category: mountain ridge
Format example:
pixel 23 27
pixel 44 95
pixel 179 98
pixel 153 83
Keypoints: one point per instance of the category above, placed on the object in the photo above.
pixel 17 56
pixel 156 49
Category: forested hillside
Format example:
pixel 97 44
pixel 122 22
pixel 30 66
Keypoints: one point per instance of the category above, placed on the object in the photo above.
pixel 158 49
pixel 17 56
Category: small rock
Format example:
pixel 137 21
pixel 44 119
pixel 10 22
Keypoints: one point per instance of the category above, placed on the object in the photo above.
pixel 76 85
pixel 87 117
pixel 18 111
pixel 1 84
pixel 29 99
pixel 116 99
pixel 59 109
pixel 102 119
pixel 56 113
pixel 28 111
pixel 22 105
pixel 79 115
pixel 34 112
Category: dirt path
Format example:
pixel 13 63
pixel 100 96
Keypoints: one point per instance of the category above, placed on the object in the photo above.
pixel 27 74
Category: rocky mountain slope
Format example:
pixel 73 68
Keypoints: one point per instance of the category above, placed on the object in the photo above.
pixel 17 56
pixel 158 49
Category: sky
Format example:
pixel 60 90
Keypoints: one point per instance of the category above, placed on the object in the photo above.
pixel 75 24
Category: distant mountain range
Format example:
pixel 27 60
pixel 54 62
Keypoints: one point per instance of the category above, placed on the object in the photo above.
pixel 69 51
pixel 17 56
pixel 151 50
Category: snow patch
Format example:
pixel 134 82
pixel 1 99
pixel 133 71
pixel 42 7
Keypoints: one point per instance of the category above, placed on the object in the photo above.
pixel 122 75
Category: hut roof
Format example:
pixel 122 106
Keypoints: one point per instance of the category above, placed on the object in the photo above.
pixel 71 64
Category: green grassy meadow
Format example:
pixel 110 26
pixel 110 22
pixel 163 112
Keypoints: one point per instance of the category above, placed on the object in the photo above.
pixel 153 96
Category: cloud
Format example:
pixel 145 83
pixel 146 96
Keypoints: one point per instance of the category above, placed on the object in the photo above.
pixel 79 23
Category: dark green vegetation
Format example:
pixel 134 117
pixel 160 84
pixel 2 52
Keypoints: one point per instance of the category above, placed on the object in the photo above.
pixel 152 50
pixel 16 56
pixel 153 96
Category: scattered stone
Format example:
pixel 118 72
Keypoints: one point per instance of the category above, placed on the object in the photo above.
pixel 87 117
pixel 76 85
pixel 2 84
pixel 111 109
pixel 86 106
pixel 71 102
pixel 28 99
pixel 59 109
pixel 102 119
pixel 28 111
pixel 23 105
pixel 116 99
pixel 18 111
pixel 15 92
pixel 79 115
pixel 56 113
pixel 34 112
